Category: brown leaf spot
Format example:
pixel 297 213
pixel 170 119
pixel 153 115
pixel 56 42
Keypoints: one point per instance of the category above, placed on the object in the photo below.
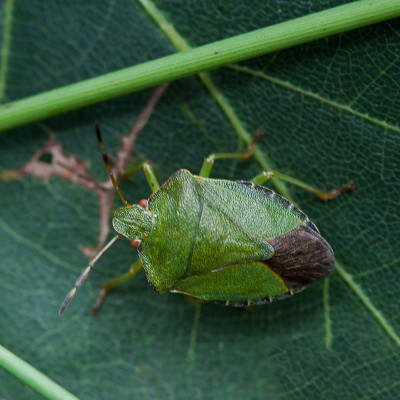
pixel 51 161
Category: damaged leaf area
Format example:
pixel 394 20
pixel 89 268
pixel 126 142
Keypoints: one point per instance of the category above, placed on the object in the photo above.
pixel 330 113
pixel 50 161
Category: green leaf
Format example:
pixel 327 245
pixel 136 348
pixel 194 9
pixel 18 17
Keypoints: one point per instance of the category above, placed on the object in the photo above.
pixel 330 113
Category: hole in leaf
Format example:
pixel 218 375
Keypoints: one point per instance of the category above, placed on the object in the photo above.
pixel 46 158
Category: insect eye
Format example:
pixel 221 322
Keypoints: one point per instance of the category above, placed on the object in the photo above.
pixel 143 203
pixel 135 243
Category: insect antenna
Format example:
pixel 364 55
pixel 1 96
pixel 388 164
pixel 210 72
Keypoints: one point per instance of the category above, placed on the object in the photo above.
pixel 85 273
pixel 108 166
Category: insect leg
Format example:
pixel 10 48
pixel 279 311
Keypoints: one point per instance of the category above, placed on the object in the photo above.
pixel 325 196
pixel 148 171
pixel 209 161
pixel 134 269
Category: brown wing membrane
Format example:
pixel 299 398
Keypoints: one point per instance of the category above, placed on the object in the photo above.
pixel 301 257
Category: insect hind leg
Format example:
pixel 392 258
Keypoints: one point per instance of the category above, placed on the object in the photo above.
pixel 325 196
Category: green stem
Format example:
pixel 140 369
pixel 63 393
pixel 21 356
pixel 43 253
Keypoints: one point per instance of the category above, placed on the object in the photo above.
pixel 262 41
pixel 32 377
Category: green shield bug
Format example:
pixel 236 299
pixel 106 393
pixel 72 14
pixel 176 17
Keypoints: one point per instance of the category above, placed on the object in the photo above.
pixel 231 242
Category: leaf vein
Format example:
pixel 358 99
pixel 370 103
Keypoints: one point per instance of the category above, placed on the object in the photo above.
pixel 5 45
pixel 367 302
pixel 35 246
pixel 100 33
pixel 315 96
pixel 372 81
pixel 191 353
pixel 328 323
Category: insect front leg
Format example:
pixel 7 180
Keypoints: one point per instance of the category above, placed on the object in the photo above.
pixel 134 269
pixel 148 171
pixel 209 161
pixel 325 196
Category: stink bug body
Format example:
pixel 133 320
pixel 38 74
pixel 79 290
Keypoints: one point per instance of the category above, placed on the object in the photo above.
pixel 230 242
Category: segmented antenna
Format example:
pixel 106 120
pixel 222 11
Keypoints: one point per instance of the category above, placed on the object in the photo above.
pixel 108 166
pixel 85 273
